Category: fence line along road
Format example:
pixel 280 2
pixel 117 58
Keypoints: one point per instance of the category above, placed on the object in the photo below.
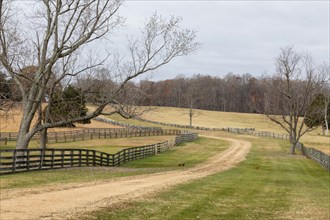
pixel 13 161
pixel 311 153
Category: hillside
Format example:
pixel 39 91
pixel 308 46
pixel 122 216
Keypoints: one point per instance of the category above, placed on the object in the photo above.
pixel 10 122
pixel 212 119
pixel 216 119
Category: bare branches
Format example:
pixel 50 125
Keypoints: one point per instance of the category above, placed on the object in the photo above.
pixel 292 89
pixel 62 29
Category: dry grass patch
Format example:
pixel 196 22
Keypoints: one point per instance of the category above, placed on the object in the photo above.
pixel 10 122
pixel 216 119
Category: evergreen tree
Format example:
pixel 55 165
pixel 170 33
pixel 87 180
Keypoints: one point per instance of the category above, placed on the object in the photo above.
pixel 5 92
pixel 67 104
pixel 316 111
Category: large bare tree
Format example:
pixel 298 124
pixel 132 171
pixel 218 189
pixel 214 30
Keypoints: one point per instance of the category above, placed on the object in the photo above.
pixel 293 87
pixel 54 37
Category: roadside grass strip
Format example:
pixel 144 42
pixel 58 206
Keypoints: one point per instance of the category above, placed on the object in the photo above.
pixel 270 184
pixel 191 153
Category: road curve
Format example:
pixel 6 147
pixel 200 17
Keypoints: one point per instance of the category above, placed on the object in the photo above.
pixel 64 203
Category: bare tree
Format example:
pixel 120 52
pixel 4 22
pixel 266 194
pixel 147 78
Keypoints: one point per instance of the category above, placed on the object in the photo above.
pixel 326 107
pixel 192 96
pixel 63 29
pixel 291 91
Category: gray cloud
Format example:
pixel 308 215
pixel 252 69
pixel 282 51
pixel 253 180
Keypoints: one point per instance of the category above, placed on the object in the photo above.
pixel 239 36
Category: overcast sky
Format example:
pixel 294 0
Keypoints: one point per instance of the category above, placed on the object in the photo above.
pixel 239 36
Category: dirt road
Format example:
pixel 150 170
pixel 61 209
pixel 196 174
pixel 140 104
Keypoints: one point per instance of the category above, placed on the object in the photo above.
pixel 59 204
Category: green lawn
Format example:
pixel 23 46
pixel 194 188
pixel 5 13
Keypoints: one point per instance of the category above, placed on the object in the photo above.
pixel 190 153
pixel 270 184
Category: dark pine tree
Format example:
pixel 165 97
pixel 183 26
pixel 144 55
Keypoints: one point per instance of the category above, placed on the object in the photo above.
pixel 67 104
pixel 315 113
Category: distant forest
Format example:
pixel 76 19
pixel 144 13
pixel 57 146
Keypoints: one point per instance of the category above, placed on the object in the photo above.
pixel 232 93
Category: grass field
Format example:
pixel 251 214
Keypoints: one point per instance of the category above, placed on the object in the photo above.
pixel 270 184
pixel 216 119
pixel 192 153
pixel 10 121
pixel 206 119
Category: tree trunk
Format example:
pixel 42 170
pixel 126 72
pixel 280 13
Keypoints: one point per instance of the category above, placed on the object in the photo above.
pixel 326 117
pixel 293 148
pixel 293 141
pixel 190 120
pixel 23 138
pixel 190 117
pixel 22 141
pixel 43 138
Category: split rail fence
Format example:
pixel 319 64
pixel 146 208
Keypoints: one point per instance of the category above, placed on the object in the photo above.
pixel 13 161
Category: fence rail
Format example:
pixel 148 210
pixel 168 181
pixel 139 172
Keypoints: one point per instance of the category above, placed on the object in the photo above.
pixel 92 133
pixel 123 124
pixel 252 131
pixel 13 161
pixel 316 155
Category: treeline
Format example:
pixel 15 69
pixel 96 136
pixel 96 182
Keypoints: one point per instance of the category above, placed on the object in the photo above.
pixel 232 93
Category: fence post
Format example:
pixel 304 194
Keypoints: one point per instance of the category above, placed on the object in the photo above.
pixel 94 158
pixel 14 161
pixel 87 157
pixel 53 155
pixel 80 152
pixel 113 159
pixel 71 158
pixel 41 159
pixel 62 155
pixel 28 159
pixel 124 155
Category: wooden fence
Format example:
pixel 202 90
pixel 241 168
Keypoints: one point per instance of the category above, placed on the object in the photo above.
pixel 13 161
pixel 252 131
pixel 92 133
pixel 123 124
pixel 316 155
pixel 311 153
